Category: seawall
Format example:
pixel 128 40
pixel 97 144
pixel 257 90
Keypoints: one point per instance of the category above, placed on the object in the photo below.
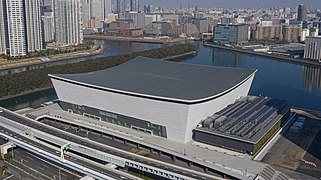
pixel 271 56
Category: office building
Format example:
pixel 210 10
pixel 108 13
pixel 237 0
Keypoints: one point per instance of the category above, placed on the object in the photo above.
pixel 162 98
pixel 313 48
pixel 201 24
pixel 137 17
pixel 124 27
pixel 134 5
pixel 98 9
pixel 21 27
pixel 158 28
pixel 302 12
pixel 68 22
pixel 231 34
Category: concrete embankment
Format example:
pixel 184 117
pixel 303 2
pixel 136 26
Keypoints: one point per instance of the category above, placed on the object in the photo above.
pixel 172 58
pixel 132 39
pixel 271 56
pixel 68 59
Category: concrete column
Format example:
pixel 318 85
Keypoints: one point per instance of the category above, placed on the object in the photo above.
pixel 159 153
pixel 206 169
pixel 138 146
pixel 189 163
pixel 152 150
pixel 174 158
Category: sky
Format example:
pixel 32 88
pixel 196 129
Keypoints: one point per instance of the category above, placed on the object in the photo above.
pixel 233 3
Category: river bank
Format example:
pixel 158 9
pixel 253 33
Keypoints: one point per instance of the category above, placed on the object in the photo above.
pixel 171 58
pixel 37 80
pixel 275 57
pixel 42 62
pixel 133 39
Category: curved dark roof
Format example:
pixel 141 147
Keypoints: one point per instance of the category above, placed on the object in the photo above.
pixel 163 79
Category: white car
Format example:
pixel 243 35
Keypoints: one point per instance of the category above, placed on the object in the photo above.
pixel 1 111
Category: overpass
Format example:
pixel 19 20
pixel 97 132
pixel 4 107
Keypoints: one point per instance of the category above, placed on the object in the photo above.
pixel 32 130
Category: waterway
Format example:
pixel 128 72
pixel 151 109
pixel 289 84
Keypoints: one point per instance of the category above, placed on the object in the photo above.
pixel 296 83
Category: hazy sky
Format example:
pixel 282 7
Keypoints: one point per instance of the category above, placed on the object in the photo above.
pixel 234 3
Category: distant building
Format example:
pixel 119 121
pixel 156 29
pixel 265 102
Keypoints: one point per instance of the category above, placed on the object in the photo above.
pixel 267 33
pixel 190 29
pixel 150 18
pixel 48 28
pixel 231 34
pixel 158 28
pixel 21 29
pixel 137 17
pixel 201 24
pixel 112 17
pixel 124 27
pixel 68 22
pixel 134 5
pixel 302 12
pixel 304 33
pixel 313 48
pixel 99 9
pixel 93 23
pixel 3 30
pixel 149 8
pixel 292 33
pixel 121 8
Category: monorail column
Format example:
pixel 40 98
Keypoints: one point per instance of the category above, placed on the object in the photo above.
pixel 189 163
pixel 138 146
pixel 205 169
pixel 174 158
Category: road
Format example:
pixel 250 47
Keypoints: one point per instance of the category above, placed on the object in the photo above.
pixel 86 143
pixel 38 164
pixel 78 161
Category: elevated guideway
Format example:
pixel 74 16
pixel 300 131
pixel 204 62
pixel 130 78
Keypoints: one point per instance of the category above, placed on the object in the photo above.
pixel 58 138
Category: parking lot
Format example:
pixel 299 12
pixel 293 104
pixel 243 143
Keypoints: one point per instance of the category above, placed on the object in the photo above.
pixel 298 154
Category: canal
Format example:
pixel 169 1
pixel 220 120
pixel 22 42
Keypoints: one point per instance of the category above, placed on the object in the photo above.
pixel 296 83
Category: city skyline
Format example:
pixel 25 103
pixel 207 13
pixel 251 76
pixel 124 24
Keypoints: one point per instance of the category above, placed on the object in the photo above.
pixel 233 3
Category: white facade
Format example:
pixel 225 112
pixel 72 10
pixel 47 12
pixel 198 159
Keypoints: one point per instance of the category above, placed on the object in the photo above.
pixel 2 31
pixel 68 21
pixel 33 24
pixel 96 8
pixel 134 5
pixel 178 118
pixel 49 28
pixel 313 48
pixel 304 34
pixel 21 31
pixel 16 28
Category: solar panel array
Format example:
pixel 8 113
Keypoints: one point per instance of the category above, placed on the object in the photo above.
pixel 246 117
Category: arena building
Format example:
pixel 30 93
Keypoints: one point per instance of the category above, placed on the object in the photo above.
pixel 245 126
pixel 163 98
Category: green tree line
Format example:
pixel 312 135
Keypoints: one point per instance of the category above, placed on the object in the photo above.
pixel 14 84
